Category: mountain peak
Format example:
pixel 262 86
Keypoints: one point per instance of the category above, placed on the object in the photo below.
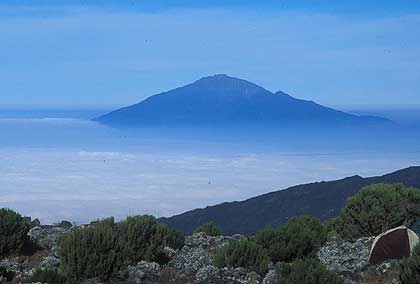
pixel 218 77
pixel 223 100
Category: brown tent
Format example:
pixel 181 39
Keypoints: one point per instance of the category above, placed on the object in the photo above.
pixel 396 243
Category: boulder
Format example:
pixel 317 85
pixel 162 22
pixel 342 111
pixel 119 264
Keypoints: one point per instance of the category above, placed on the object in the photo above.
pixel 345 258
pixel 198 252
pixel 143 273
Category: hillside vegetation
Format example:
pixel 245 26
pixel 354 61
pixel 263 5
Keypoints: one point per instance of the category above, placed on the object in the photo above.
pixel 323 200
pixel 141 247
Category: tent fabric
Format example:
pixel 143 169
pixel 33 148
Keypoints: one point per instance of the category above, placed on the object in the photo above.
pixel 396 243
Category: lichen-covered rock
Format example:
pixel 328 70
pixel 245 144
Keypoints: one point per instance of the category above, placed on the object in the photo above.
pixel 48 237
pixel 272 276
pixel 15 265
pixel 209 274
pixel 49 262
pixel 198 252
pixel 350 260
pixel 144 273
pixel 213 275
pixel 345 258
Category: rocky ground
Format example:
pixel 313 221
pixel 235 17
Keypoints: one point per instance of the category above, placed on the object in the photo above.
pixel 194 263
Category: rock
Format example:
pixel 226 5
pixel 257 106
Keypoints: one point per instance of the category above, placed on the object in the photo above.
pixel 208 275
pixel 91 281
pixel 346 258
pixel 272 276
pixel 385 273
pixel 350 260
pixel 15 266
pixel 65 224
pixel 144 273
pixel 198 252
pixel 213 275
pixel 48 237
pixel 50 262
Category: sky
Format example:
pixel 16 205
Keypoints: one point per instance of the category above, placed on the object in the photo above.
pixel 94 54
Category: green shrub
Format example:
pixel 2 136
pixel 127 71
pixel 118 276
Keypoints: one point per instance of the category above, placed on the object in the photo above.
pixel 106 247
pixel 209 229
pixel 49 276
pixel 13 231
pixel 378 208
pixel 307 271
pixel 300 238
pixel 146 238
pixel 410 268
pixel 244 253
pixel 92 252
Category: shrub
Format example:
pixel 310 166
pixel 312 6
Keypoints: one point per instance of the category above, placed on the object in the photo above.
pixel 209 229
pixel 307 271
pixel 244 253
pixel 106 247
pixel 378 208
pixel 410 268
pixel 300 238
pixel 146 238
pixel 91 252
pixel 49 276
pixel 13 231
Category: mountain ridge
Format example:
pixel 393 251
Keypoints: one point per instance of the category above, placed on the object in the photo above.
pixel 224 100
pixel 320 199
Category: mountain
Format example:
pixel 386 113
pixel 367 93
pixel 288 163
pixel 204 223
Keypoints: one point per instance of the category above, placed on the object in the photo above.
pixel 222 100
pixel 321 199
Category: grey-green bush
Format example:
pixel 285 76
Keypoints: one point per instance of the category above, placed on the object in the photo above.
pixel 244 253
pixel 209 229
pixel 307 271
pixel 410 268
pixel 95 251
pixel 49 276
pixel 145 239
pixel 13 231
pixel 378 208
pixel 300 238
pixel 106 247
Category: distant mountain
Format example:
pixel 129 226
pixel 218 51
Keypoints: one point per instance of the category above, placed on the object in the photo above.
pixel 322 199
pixel 222 100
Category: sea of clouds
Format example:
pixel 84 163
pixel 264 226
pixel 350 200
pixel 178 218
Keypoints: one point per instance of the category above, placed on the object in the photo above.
pixel 96 175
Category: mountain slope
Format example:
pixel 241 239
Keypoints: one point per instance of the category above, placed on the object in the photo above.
pixel 224 100
pixel 321 199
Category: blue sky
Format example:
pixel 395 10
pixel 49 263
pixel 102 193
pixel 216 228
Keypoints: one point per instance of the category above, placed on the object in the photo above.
pixel 112 53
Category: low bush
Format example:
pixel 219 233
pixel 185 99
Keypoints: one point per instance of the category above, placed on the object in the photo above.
pixel 145 239
pixel 49 276
pixel 209 229
pixel 106 247
pixel 92 252
pixel 300 238
pixel 13 231
pixel 410 268
pixel 307 271
pixel 378 208
pixel 244 253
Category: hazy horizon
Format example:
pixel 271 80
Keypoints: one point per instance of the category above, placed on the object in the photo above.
pixel 67 62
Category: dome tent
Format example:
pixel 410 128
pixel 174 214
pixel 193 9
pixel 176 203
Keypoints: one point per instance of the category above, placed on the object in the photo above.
pixel 396 243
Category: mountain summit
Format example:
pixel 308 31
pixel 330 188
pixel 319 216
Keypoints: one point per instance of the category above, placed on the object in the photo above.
pixel 222 100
